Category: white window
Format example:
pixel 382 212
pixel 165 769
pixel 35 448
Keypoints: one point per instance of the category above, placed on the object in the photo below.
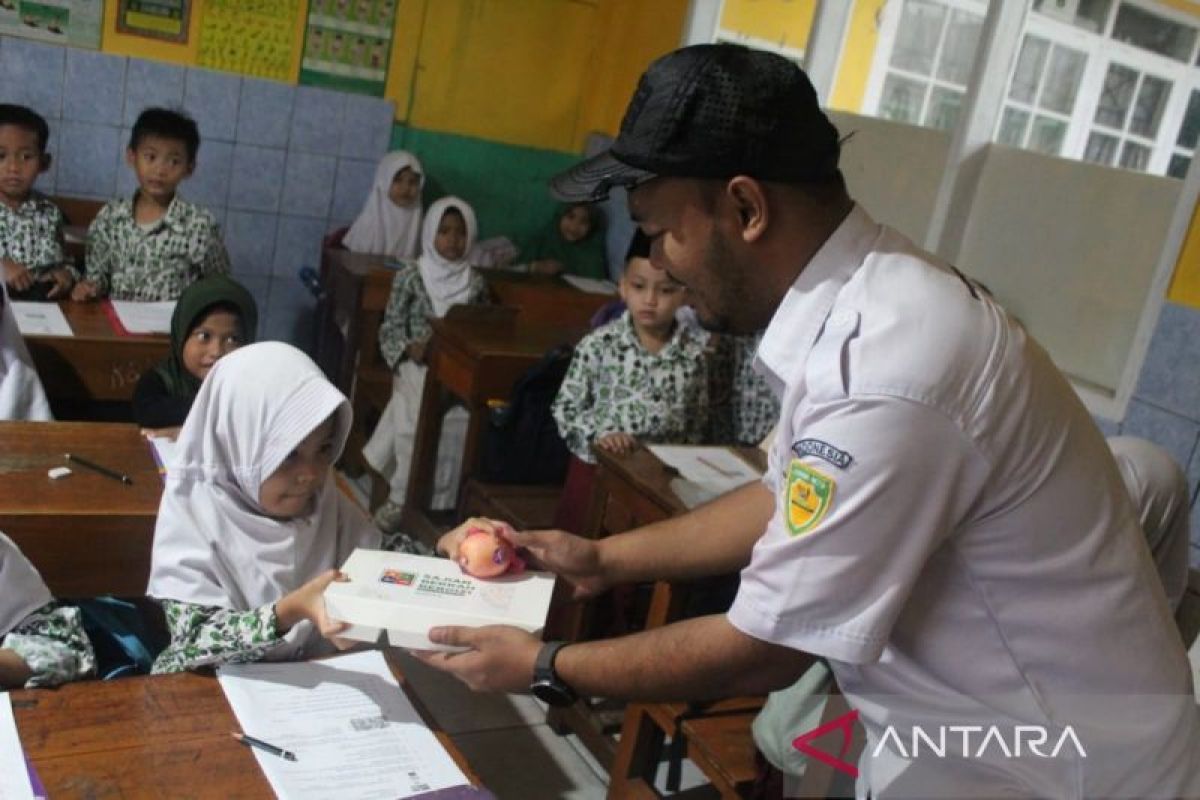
pixel 1114 82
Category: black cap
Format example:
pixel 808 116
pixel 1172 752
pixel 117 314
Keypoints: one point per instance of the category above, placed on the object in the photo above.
pixel 713 111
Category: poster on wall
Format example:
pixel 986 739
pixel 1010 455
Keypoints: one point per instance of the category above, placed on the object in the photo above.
pixel 251 37
pixel 73 22
pixel 155 19
pixel 347 44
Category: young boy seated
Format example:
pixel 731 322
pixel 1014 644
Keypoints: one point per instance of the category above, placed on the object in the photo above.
pixel 31 249
pixel 641 377
pixel 153 245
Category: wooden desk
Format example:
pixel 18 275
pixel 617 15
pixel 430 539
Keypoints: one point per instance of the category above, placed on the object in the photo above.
pixel 88 534
pixel 545 299
pixel 629 492
pixel 96 363
pixel 155 736
pixel 476 354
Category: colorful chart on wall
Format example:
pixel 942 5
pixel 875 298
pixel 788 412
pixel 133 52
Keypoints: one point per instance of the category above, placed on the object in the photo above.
pixel 251 37
pixel 347 44
pixel 155 19
pixel 73 22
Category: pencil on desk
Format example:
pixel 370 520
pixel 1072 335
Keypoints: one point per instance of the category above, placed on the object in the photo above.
pixel 83 462
pixel 267 747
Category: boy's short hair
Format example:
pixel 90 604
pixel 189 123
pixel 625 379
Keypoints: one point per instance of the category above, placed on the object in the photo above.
pixel 166 124
pixel 639 246
pixel 27 118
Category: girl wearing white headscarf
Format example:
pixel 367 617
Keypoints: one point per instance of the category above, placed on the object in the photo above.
pixel 42 643
pixel 390 220
pixel 251 527
pixel 438 280
pixel 21 393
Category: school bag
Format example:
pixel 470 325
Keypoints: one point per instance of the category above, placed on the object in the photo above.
pixel 521 442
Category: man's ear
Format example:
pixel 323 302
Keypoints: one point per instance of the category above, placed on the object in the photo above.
pixel 47 160
pixel 130 156
pixel 749 201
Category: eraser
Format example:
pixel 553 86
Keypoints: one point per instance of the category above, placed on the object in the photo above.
pixel 59 472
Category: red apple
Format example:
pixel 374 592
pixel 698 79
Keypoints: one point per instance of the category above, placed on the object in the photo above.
pixel 484 554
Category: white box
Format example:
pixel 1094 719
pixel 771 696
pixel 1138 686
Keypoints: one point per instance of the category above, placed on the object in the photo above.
pixel 407 595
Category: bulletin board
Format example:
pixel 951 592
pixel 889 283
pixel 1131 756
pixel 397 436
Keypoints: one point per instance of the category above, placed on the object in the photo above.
pixel 347 45
pixel 70 22
pixel 154 19
pixel 251 37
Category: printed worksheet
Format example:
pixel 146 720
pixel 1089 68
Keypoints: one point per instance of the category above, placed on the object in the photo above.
pixel 14 778
pixel 40 319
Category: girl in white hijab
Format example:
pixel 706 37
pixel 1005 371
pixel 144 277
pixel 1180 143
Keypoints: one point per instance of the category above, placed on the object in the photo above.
pixel 251 527
pixel 438 280
pixel 42 643
pixel 390 220
pixel 21 393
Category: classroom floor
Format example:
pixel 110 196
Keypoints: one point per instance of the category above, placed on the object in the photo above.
pixel 516 755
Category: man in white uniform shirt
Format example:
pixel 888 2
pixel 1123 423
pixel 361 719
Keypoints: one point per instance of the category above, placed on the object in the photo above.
pixel 941 520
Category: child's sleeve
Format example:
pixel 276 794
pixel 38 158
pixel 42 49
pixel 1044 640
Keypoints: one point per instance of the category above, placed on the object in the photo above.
pixel 573 406
pixel 101 252
pixel 216 258
pixel 48 253
pixel 51 641
pixel 204 636
pixel 396 330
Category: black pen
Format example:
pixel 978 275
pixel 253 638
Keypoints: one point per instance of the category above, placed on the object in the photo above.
pixel 92 465
pixel 250 741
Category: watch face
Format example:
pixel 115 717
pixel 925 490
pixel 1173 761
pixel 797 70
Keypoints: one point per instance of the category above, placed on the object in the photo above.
pixel 552 693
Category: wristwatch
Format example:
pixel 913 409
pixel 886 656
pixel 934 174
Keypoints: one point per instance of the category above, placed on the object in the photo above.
pixel 547 686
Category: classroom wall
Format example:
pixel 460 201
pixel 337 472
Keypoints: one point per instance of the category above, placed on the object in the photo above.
pixel 277 163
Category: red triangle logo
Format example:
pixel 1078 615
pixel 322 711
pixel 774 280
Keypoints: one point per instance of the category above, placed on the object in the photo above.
pixel 845 724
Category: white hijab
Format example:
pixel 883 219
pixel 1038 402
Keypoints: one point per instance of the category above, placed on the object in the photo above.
pixel 382 227
pixel 447 282
pixel 213 543
pixel 21 394
pixel 22 590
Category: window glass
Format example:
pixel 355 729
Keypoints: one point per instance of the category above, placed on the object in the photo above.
pixel 1179 166
pixel 1012 127
pixel 1135 156
pixel 1047 135
pixel 1090 15
pixel 1029 69
pixel 1151 32
pixel 1101 149
pixel 944 107
pixel 902 99
pixel 918 35
pixel 1062 80
pixel 1190 129
pixel 958 53
pixel 1116 96
pixel 1147 111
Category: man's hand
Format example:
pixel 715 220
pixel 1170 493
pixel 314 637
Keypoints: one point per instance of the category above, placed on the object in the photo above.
pixel 449 543
pixel 17 276
pixel 63 281
pixel 500 658
pixel 85 290
pixel 619 443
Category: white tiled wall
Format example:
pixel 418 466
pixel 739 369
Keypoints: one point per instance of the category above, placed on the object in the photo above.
pixel 279 165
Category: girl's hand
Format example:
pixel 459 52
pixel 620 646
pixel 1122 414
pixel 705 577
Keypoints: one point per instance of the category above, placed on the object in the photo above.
pixel 619 443
pixel 450 541
pixel 85 290
pixel 547 266
pixel 308 603
pixel 416 351
pixel 162 433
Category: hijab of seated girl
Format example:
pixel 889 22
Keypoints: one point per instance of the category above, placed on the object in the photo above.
pixel 390 221
pixel 42 643
pixel 572 243
pixel 214 316
pixel 251 526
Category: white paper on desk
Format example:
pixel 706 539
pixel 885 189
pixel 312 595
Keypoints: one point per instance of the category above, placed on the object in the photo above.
pixel 41 319
pixel 591 285
pixel 354 732
pixel 706 472
pixel 14 777
pixel 163 450
pixel 138 317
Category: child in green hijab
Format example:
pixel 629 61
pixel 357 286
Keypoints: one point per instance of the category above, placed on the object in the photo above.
pixel 213 316
pixel 572 243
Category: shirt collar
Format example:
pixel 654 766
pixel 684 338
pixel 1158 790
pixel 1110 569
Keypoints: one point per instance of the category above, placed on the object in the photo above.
pixel 173 218
pixel 680 337
pixel 797 321
pixel 33 204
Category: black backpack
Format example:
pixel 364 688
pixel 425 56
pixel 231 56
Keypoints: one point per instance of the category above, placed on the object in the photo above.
pixel 521 441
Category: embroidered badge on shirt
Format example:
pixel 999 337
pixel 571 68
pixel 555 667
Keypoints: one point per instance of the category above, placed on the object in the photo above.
pixel 824 451
pixel 809 495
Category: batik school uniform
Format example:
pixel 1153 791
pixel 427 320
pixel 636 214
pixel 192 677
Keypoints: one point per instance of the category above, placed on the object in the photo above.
pixel 382 227
pixel 48 636
pixel 424 289
pixel 32 236
pixel 744 409
pixel 616 385
pixel 163 395
pixel 219 563
pixel 155 262
pixel 21 394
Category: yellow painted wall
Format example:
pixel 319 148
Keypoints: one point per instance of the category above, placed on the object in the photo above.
pixel 1185 287
pixel 858 53
pixel 786 23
